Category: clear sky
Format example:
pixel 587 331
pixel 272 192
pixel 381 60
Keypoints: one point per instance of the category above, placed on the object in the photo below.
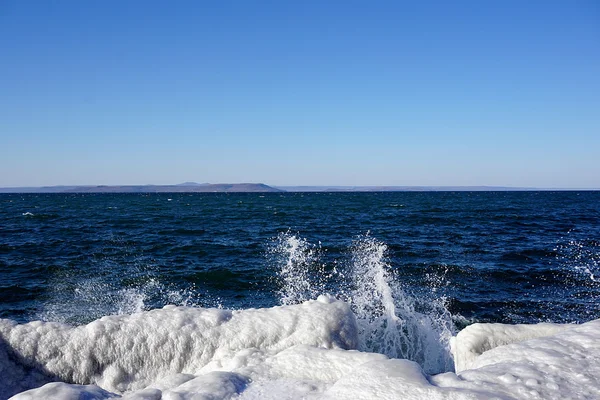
pixel 300 92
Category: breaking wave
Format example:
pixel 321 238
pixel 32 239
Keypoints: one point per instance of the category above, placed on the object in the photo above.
pixel 390 321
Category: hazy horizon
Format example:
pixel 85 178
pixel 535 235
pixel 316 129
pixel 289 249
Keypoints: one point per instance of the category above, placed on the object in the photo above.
pixel 306 187
pixel 300 93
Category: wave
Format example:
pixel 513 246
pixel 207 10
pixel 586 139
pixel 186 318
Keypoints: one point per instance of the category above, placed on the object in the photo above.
pixel 364 336
pixel 390 321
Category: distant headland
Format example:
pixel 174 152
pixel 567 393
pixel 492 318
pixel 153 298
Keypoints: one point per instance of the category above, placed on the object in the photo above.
pixel 193 187
pixel 187 187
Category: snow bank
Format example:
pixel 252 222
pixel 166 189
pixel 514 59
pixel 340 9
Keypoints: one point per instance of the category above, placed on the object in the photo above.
pixel 290 352
pixel 564 365
pixel 128 352
pixel 476 339
pixel 64 391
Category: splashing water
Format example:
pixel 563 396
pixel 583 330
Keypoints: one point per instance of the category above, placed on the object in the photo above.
pixel 77 301
pixel 78 297
pixel 295 258
pixel 581 256
pixel 390 321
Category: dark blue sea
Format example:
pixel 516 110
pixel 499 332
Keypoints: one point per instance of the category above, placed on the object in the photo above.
pixel 513 257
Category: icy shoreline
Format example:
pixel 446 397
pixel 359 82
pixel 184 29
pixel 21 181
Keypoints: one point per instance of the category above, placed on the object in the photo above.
pixel 287 352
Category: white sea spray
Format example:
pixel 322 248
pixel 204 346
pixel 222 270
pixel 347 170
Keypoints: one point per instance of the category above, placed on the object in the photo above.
pixel 581 256
pixel 299 271
pixel 390 321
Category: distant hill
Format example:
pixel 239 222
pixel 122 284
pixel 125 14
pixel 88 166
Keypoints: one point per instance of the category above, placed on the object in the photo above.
pixel 187 187
pixel 193 187
pixel 192 184
pixel 402 188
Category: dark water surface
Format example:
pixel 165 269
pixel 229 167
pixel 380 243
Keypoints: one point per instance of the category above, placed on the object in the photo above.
pixel 496 256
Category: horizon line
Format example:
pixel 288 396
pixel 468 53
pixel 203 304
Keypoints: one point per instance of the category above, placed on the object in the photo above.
pixel 253 187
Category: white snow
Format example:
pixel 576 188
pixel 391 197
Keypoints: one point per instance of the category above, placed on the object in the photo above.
pixel 289 352
pixel 128 352
pixel 476 339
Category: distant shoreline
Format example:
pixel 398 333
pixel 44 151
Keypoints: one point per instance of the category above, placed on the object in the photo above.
pixel 335 189
pixel 191 187
pixel 181 188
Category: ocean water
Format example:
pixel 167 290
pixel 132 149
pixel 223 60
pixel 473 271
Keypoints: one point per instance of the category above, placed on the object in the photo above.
pixel 413 267
pixel 495 256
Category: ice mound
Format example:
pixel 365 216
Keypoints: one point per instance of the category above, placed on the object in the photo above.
pixel 476 339
pixel 64 391
pixel 303 351
pixel 128 352
pixel 563 365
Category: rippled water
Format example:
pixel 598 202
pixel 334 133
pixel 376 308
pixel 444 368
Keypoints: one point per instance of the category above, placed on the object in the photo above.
pixel 489 256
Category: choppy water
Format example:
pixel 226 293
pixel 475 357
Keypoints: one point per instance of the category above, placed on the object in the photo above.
pixel 449 256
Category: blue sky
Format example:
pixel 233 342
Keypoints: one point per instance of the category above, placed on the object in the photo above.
pixel 300 92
